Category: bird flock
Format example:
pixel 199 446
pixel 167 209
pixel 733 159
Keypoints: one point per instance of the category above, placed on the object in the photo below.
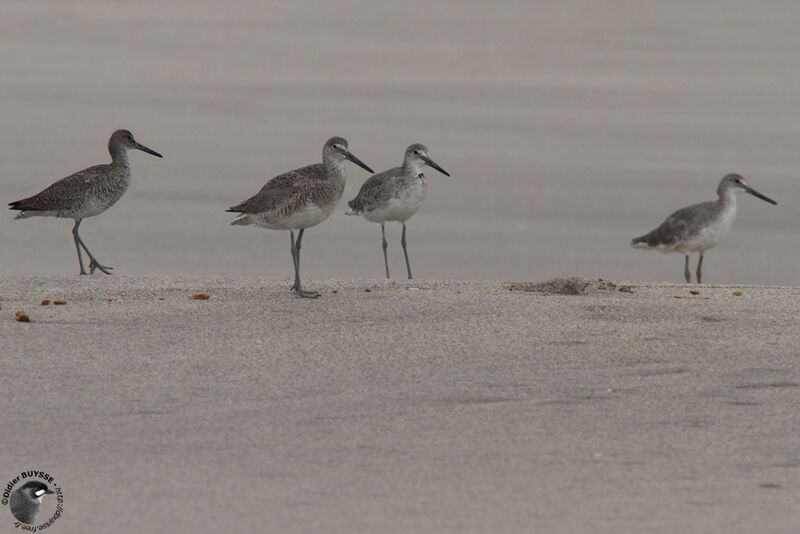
pixel 305 197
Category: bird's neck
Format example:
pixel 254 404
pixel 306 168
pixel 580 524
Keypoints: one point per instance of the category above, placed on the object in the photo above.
pixel 727 198
pixel 119 156
pixel 334 169
pixel 411 168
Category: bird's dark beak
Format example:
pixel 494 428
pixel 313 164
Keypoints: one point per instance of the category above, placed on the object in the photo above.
pixel 143 148
pixel 349 155
pixel 48 491
pixel 759 195
pixel 431 163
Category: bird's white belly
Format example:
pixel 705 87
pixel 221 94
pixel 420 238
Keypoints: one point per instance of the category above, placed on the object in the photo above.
pixel 709 236
pixel 401 207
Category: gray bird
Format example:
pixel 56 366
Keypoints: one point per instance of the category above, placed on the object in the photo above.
pixel 395 195
pixel 26 502
pixel 699 227
pixel 86 193
pixel 300 199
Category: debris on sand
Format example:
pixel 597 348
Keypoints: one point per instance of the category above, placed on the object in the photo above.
pixel 572 285
pixel 200 296
pixel 22 317
pixel 737 293
pixel 45 302
pixel 59 302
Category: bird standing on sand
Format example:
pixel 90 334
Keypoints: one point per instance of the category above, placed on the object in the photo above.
pixel 86 193
pixel 699 227
pixel 26 502
pixel 300 199
pixel 395 195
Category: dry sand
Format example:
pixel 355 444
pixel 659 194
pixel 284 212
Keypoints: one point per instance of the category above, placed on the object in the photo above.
pixel 420 406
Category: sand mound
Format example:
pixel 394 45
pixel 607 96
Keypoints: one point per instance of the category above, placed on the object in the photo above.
pixel 573 285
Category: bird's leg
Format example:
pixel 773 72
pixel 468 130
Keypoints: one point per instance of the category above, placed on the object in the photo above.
pixel 686 273
pixel 385 245
pixel 405 251
pixel 294 262
pixel 700 268
pixel 78 244
pixel 93 263
pixel 296 257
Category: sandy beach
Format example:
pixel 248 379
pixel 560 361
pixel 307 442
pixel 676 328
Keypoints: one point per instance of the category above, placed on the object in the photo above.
pixel 425 406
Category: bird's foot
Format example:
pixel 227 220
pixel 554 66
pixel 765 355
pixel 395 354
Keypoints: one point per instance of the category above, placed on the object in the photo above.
pixel 95 265
pixel 306 294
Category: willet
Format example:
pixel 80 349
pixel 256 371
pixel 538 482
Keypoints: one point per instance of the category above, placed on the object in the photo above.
pixel 300 199
pixel 699 227
pixel 86 193
pixel 395 195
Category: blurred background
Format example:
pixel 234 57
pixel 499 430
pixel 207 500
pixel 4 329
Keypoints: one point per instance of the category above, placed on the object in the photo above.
pixel 569 127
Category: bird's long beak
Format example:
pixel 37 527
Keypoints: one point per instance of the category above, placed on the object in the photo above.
pixel 48 491
pixel 143 148
pixel 349 155
pixel 430 162
pixel 755 193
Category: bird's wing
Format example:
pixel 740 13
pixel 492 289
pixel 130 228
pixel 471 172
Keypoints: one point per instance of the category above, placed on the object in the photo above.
pixel 285 189
pixel 681 225
pixel 64 193
pixel 376 190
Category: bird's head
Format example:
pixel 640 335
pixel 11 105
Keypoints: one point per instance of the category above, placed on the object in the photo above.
pixel 35 490
pixel 124 139
pixel 735 183
pixel 336 150
pixel 417 156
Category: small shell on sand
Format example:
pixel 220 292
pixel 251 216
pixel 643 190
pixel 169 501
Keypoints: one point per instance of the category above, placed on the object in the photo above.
pixel 22 317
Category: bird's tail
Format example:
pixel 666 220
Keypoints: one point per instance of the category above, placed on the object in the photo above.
pixel 353 210
pixel 641 241
pixel 20 205
pixel 243 219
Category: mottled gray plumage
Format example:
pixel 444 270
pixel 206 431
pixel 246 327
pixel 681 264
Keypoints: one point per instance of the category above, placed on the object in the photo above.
pixel 86 193
pixel 395 195
pixel 699 227
pixel 300 199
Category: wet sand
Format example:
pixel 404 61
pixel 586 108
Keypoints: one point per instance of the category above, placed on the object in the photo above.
pixel 568 127
pixel 429 406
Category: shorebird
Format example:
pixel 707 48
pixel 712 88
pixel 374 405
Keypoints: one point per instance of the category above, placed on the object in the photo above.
pixel 699 227
pixel 300 199
pixel 86 193
pixel 26 502
pixel 395 195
